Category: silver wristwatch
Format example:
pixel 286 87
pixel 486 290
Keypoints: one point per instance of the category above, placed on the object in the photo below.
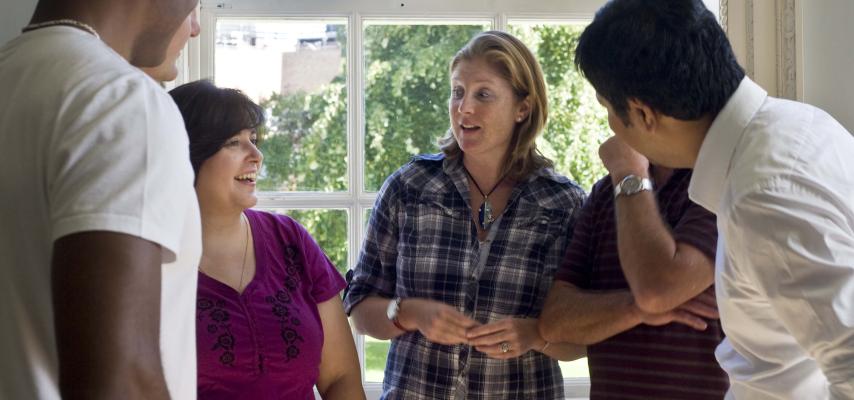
pixel 632 184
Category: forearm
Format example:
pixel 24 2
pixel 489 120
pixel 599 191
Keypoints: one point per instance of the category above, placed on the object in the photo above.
pixel 580 317
pixel 661 274
pixel 565 351
pixel 369 318
pixel 347 387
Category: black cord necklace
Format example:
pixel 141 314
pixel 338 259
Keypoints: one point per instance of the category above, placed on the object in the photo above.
pixel 484 213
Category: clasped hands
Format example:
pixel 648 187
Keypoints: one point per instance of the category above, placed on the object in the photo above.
pixel 440 323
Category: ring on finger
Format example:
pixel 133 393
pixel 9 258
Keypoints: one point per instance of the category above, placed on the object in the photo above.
pixel 505 347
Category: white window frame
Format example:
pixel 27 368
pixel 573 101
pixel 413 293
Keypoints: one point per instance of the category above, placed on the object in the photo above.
pixel 198 63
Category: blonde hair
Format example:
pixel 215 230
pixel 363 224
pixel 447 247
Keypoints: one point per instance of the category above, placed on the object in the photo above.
pixel 515 63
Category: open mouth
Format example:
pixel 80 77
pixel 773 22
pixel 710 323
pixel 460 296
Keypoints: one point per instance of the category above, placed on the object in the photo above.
pixel 247 178
pixel 469 128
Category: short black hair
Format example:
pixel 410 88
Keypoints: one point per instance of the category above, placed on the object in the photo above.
pixel 670 54
pixel 212 115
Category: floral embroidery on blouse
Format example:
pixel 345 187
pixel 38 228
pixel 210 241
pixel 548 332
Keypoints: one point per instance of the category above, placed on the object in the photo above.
pixel 219 324
pixel 287 322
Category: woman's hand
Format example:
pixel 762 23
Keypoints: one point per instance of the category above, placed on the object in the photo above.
pixel 507 338
pixel 438 322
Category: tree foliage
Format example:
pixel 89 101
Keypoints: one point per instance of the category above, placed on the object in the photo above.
pixel 406 94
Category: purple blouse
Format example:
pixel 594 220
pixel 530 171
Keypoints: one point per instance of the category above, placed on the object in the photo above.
pixel 266 342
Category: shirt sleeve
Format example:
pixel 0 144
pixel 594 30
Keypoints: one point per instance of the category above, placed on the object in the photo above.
pixel 698 228
pixel 326 281
pixel 796 244
pixel 576 267
pixel 376 271
pixel 119 162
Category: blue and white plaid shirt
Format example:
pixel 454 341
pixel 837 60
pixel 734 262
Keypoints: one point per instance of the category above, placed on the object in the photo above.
pixel 422 243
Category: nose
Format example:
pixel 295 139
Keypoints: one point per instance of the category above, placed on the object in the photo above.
pixel 255 155
pixel 464 105
pixel 195 28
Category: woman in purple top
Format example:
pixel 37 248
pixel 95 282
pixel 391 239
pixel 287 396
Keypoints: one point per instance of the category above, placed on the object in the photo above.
pixel 269 321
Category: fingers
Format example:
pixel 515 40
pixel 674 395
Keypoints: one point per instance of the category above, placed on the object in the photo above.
pixel 689 319
pixel 707 297
pixel 446 325
pixel 700 309
pixel 488 329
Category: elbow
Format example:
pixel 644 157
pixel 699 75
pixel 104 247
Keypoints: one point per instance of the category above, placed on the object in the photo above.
pixel 652 301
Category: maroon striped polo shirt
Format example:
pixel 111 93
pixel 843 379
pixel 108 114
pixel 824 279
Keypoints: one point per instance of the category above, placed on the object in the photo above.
pixel 646 362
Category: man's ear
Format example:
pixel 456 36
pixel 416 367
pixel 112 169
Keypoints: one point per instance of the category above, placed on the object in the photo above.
pixel 643 115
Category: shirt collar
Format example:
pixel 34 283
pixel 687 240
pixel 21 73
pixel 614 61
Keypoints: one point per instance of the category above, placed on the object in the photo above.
pixel 716 153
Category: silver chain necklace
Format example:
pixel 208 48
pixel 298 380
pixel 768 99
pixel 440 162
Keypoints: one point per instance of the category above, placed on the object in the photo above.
pixel 66 22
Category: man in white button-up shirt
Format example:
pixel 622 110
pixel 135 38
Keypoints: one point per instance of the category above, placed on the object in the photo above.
pixel 778 174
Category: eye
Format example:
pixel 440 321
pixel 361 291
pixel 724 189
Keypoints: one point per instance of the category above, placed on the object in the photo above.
pixel 254 140
pixel 231 142
pixel 457 93
pixel 484 94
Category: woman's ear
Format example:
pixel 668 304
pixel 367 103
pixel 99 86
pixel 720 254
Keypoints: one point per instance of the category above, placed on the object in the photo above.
pixel 524 109
pixel 642 115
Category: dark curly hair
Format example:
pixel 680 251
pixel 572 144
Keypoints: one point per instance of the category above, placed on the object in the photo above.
pixel 213 115
pixel 670 54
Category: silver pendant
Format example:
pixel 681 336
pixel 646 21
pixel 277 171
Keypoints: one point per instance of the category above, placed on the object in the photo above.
pixel 484 214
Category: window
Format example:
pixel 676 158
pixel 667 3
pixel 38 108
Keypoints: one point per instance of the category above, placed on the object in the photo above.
pixel 353 93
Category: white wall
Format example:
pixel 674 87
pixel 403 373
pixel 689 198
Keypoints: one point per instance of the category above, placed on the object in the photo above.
pixel 15 14
pixel 828 73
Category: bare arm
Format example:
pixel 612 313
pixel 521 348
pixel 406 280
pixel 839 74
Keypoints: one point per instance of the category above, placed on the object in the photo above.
pixel 340 376
pixel 369 318
pixel 575 316
pixel 438 322
pixel 661 272
pixel 106 299
pixel 586 317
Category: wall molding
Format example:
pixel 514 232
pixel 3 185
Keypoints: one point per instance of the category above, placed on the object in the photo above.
pixel 787 57
pixel 767 40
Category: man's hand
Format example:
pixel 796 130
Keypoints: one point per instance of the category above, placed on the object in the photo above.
pixel 691 313
pixel 621 160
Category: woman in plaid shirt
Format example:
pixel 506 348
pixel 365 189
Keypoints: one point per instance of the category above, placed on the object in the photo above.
pixel 462 245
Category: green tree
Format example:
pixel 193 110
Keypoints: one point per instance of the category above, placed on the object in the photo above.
pixel 406 94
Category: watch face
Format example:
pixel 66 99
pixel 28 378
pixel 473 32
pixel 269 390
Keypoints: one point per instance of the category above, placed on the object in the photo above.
pixel 632 185
pixel 391 311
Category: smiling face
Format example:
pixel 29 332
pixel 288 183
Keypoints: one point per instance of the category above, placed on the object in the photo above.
pixel 226 180
pixel 483 108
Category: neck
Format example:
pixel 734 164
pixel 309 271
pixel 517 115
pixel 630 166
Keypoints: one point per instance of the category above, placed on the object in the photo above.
pixel 220 226
pixel 486 171
pixel 688 137
pixel 108 18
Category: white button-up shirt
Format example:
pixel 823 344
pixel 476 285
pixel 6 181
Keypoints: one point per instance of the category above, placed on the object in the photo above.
pixel 780 177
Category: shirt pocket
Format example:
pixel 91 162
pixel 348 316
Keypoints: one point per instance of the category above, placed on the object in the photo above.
pixel 532 250
pixel 433 248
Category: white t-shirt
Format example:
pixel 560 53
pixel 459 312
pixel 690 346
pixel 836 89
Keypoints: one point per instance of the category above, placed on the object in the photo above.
pixel 88 143
pixel 780 177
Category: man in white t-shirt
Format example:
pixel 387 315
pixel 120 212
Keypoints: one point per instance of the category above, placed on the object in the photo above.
pixel 777 174
pixel 100 233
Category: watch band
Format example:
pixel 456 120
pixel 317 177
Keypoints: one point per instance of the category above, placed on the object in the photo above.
pixel 632 184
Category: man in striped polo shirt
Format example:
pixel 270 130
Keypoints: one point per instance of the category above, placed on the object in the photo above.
pixel 635 286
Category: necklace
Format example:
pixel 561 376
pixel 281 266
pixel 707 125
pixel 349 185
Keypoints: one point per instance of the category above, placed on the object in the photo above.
pixel 245 250
pixel 66 21
pixel 484 213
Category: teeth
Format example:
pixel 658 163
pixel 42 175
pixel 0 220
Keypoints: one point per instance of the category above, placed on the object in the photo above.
pixel 247 177
pixel 468 126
